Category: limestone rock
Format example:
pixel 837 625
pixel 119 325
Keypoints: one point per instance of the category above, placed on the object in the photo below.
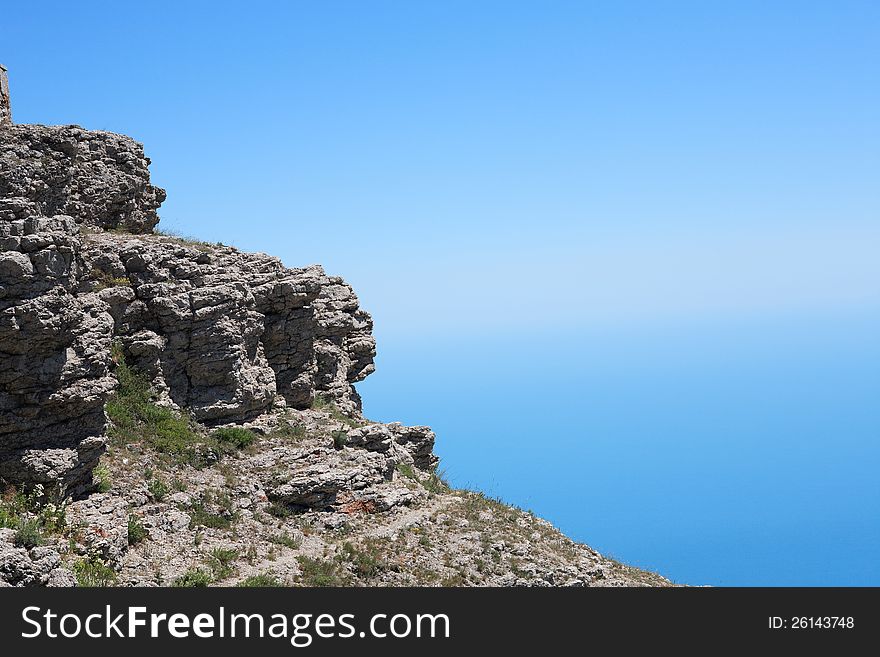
pixel 318 478
pixel 54 356
pixel 413 445
pixel 39 566
pixel 223 335
pixel 101 526
pixel 98 178
pixel 5 105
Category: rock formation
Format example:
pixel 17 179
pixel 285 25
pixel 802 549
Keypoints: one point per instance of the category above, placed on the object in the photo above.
pixel 178 354
pixel 5 103
pixel 225 335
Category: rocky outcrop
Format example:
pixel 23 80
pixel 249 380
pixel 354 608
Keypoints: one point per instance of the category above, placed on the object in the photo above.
pixel 229 335
pixel 224 336
pixel 5 105
pixel 410 445
pixel 100 179
pixel 54 355
pixel 37 566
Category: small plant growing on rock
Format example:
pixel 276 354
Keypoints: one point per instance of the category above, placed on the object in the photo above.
pixel 192 579
pixel 319 572
pixel 237 437
pixel 221 560
pixel 287 540
pixel 340 438
pixel 136 530
pixel 104 279
pixel 32 515
pixel 289 430
pixel 406 470
pixel 321 403
pixel 28 533
pixel 201 513
pixel 158 489
pixel 262 580
pixel 136 417
pixel 92 571
pixel 366 561
pixel 436 483
pixel 279 510
pixel 102 478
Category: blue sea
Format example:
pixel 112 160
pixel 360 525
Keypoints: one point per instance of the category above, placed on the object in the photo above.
pixel 721 453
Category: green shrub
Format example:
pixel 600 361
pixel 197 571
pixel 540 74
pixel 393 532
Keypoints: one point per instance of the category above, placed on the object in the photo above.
pixel 192 579
pixel 289 430
pixel 406 470
pixel 32 515
pixel 221 560
pixel 367 560
pixel 104 279
pixel 200 514
pixel 136 530
pixel 436 483
pixel 340 438
pixel 135 418
pixel 320 402
pixel 279 510
pixel 7 518
pixel 102 478
pixel 260 581
pixel 28 533
pixel 237 437
pixel 92 571
pixel 158 489
pixel 318 572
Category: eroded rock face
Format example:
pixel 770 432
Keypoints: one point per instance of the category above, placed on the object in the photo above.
pixel 223 335
pixel 54 356
pixel 100 179
pixel 226 334
pixel 5 104
pixel 38 566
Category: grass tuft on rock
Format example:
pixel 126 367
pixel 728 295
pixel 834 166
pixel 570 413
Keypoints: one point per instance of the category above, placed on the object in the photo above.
pixel 320 572
pixel 136 530
pixel 237 437
pixel 136 418
pixel 33 516
pixel 92 572
pixel 195 578
pixel 263 580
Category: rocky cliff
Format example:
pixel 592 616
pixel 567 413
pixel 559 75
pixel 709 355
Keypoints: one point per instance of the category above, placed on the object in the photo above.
pixel 225 335
pixel 175 411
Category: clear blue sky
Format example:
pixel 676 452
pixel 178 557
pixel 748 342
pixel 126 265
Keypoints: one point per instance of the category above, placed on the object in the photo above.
pixel 631 243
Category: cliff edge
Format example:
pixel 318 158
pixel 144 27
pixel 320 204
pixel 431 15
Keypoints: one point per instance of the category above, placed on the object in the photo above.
pixel 176 412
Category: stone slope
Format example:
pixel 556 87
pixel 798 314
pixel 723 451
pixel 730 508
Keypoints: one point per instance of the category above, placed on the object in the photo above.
pixel 303 507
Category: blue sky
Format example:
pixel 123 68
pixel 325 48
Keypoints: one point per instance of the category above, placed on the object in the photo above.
pixel 535 198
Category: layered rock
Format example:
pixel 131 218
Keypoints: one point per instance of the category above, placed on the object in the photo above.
pixel 54 355
pixel 224 336
pixel 100 179
pixel 228 335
